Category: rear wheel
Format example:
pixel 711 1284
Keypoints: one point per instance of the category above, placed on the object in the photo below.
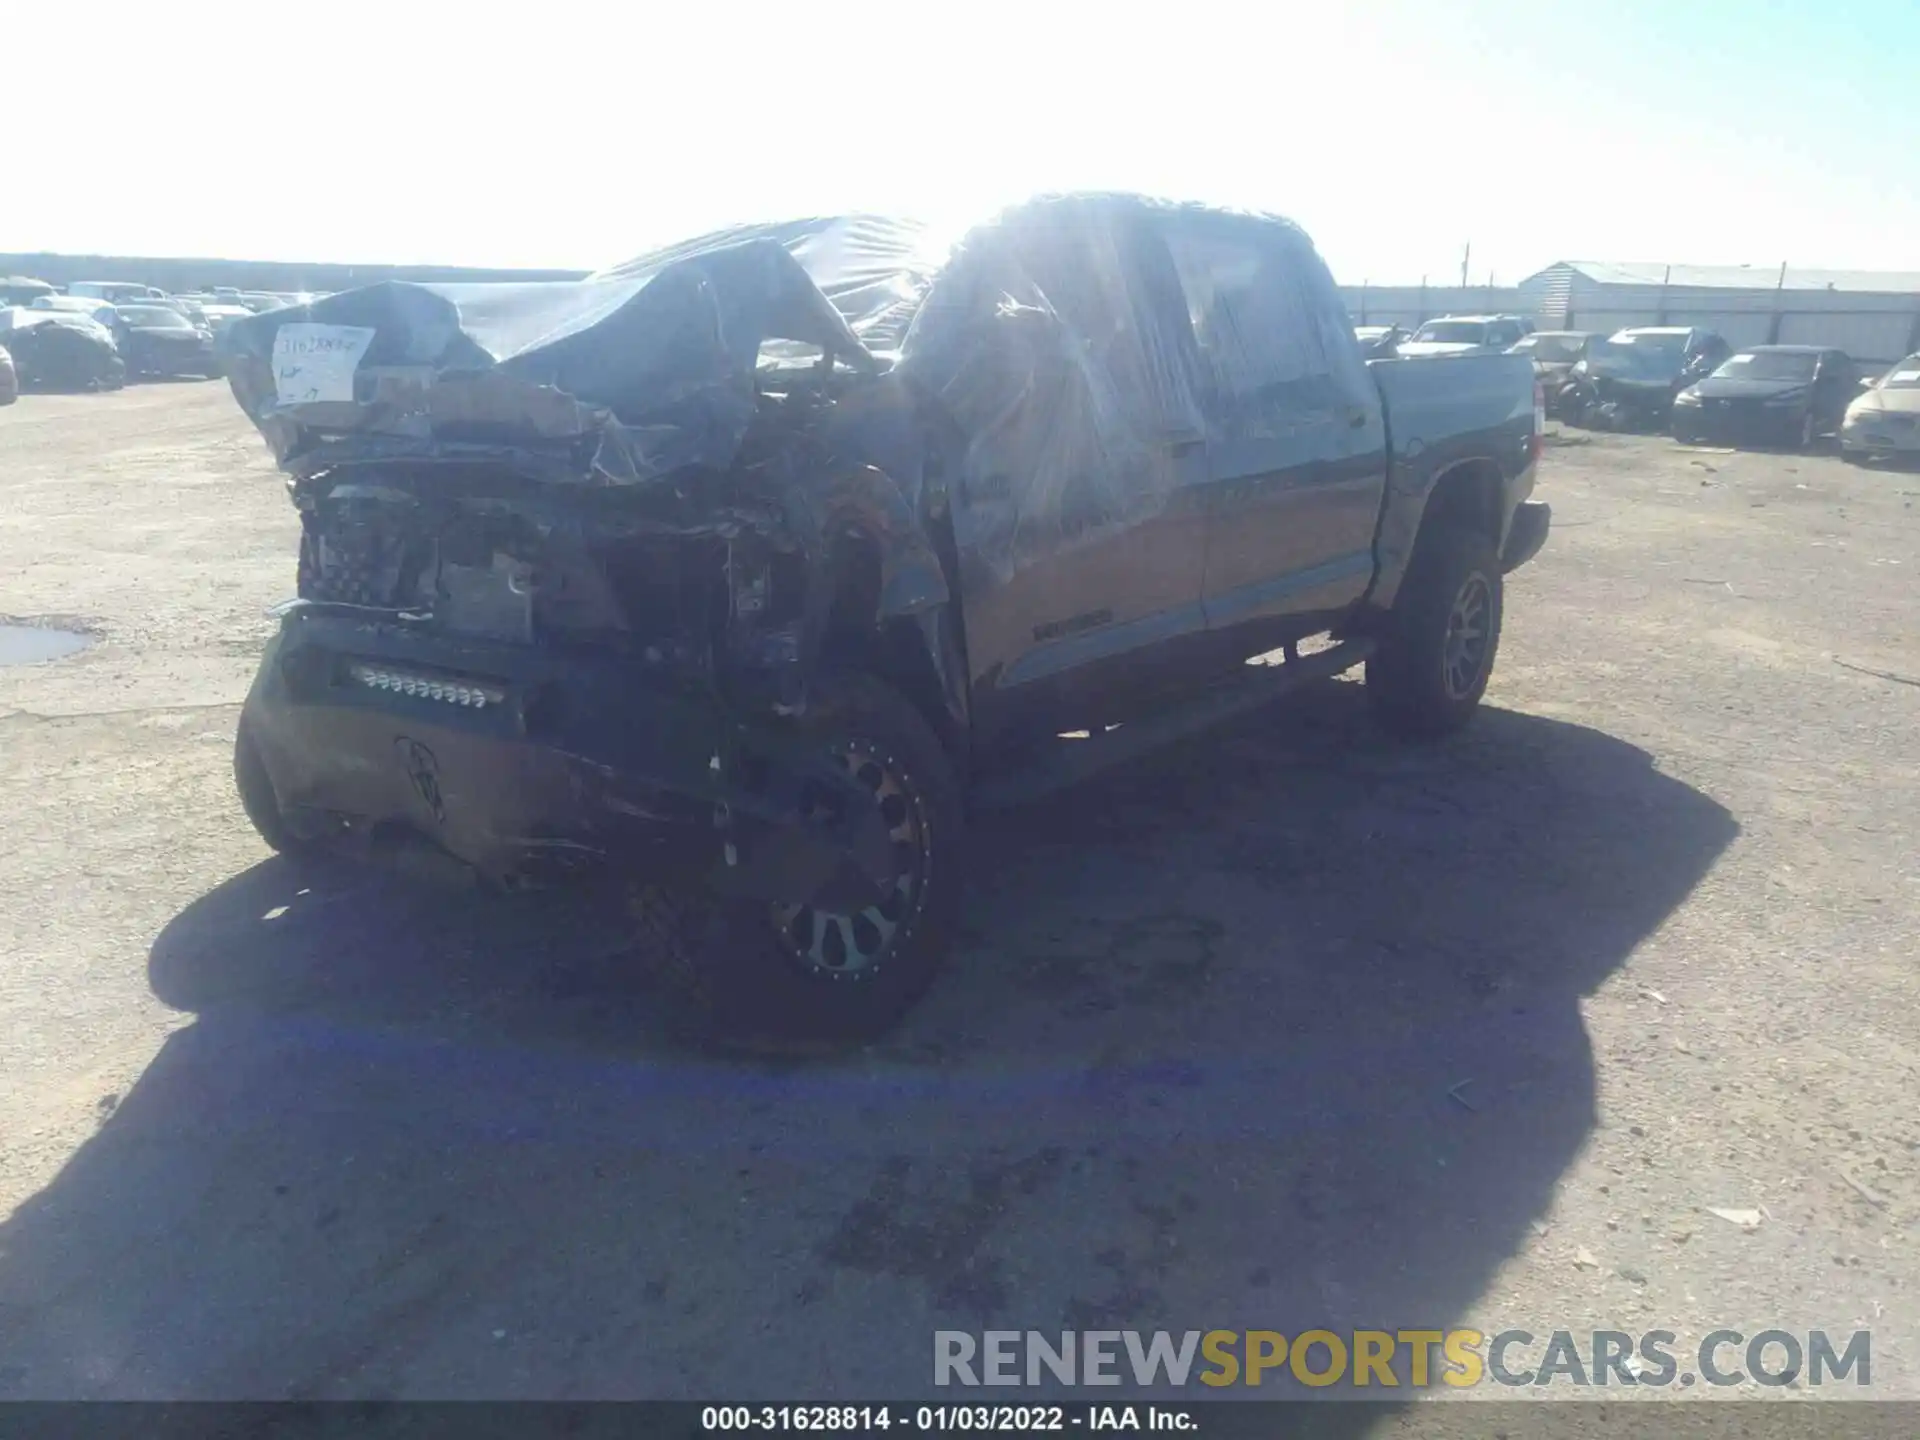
pixel 798 973
pixel 1437 648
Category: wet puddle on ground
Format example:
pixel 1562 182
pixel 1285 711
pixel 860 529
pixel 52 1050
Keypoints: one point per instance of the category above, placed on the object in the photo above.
pixel 26 645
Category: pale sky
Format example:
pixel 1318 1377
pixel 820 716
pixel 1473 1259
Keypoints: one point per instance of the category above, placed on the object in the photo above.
pixel 563 133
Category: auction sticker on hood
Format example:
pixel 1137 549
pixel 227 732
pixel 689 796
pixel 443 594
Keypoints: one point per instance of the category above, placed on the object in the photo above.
pixel 316 362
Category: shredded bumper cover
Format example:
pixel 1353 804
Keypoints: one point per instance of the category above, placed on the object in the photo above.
pixel 529 766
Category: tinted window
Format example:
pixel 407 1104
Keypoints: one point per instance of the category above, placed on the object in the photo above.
pixel 1271 332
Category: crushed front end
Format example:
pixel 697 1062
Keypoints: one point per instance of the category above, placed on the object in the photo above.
pixel 560 602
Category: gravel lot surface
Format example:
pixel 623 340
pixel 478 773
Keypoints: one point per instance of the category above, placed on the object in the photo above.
pixel 1289 1027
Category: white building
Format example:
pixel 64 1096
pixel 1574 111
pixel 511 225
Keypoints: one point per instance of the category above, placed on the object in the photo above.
pixel 1872 315
pixel 1410 304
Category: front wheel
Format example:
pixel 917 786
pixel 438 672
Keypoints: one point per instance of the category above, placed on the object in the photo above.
pixel 799 972
pixel 1436 650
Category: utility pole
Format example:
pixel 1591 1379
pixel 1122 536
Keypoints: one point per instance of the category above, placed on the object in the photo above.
pixel 1464 259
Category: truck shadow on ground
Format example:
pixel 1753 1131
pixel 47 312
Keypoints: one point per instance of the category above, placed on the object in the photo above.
pixel 1279 1029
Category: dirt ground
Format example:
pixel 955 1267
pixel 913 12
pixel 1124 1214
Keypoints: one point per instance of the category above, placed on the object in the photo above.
pixel 1289 1027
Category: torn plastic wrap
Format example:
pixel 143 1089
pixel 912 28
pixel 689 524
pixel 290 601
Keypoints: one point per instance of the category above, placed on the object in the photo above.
pixel 1057 345
pixel 616 380
pixel 1057 349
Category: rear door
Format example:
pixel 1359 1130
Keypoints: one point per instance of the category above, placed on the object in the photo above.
pixel 1296 439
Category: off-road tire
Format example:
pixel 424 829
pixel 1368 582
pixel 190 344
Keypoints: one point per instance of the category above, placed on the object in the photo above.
pixel 256 792
pixel 1407 676
pixel 732 976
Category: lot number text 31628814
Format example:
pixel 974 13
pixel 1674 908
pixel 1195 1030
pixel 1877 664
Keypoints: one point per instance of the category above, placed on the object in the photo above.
pixel 936 1419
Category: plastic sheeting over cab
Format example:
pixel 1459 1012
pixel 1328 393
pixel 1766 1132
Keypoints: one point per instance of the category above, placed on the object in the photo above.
pixel 1057 357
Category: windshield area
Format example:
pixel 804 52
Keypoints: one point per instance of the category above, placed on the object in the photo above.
pixel 1644 355
pixel 1452 332
pixel 1768 365
pixel 155 317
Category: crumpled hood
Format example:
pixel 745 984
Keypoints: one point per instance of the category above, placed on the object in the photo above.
pixel 616 379
pixel 1901 401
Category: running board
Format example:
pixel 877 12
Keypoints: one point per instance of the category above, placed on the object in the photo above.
pixel 1068 762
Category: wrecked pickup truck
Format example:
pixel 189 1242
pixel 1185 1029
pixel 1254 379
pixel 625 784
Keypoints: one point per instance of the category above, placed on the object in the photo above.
pixel 742 573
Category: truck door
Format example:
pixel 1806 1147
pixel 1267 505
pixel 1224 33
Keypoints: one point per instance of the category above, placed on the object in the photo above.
pixel 1296 438
pixel 1063 352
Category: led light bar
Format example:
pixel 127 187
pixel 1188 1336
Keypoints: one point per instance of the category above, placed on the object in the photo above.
pixel 426 687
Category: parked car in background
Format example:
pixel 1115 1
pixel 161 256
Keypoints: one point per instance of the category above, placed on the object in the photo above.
pixel 218 315
pixel 1379 342
pixel 187 305
pixel 61 350
pixel 158 340
pixel 1769 395
pixel 1464 335
pixel 1628 380
pixel 76 305
pixel 9 377
pixel 1884 423
pixel 1554 354
pixel 115 292
pixel 22 290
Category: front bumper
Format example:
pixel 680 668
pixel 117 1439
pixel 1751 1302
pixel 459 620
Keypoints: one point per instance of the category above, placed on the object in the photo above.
pixel 174 360
pixel 1737 422
pixel 1897 434
pixel 1527 534
pixel 1634 404
pixel 530 765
